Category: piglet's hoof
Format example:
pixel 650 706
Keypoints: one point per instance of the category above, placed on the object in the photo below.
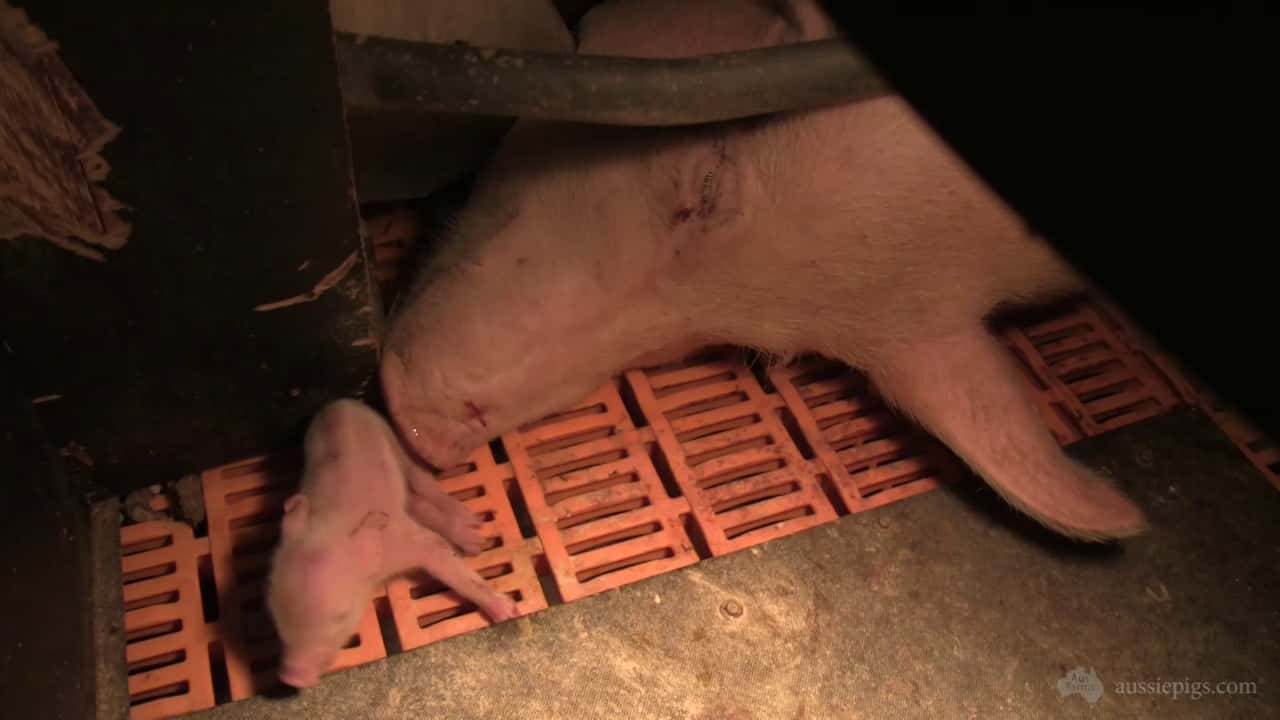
pixel 449 518
pixel 298 677
pixel 501 609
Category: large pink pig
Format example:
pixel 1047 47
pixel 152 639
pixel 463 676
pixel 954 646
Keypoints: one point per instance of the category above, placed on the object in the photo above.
pixel 363 515
pixel 852 231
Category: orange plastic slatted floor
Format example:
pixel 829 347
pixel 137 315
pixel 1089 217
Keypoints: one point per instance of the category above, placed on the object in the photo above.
pixel 657 470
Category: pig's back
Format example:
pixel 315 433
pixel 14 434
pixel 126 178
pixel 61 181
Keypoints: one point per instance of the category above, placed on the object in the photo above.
pixel 876 226
pixel 873 191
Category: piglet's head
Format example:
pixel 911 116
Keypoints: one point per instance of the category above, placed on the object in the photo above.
pixel 320 585
pixel 576 254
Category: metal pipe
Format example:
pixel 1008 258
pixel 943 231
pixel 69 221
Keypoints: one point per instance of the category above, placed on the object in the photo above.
pixel 381 74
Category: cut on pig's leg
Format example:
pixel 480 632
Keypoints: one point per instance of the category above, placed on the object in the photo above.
pixel 965 390
pixel 436 510
pixel 439 560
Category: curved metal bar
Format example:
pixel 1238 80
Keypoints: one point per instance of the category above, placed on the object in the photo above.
pixel 399 76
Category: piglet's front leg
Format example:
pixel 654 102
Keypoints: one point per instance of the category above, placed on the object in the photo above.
pixel 434 554
pixel 434 509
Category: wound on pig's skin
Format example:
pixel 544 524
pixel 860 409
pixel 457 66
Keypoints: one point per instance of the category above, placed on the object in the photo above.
pixel 710 184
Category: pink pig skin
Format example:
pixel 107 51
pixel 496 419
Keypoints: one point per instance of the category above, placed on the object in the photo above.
pixel 348 530
pixel 851 231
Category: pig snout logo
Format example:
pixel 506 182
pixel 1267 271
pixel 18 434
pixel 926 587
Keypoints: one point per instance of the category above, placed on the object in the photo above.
pixel 1084 683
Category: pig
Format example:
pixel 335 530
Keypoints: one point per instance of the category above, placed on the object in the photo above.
pixel 360 518
pixel 850 231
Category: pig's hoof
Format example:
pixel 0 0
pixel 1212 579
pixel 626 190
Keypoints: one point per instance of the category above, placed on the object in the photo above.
pixel 462 528
pixel 452 520
pixel 501 609
pixel 297 678
pixel 1077 503
pixel 464 531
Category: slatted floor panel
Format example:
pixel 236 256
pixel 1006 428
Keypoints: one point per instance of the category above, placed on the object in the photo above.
pixel 658 469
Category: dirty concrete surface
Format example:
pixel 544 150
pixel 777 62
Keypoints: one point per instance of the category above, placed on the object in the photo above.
pixel 945 605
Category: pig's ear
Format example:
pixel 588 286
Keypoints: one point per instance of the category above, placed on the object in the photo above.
pixel 296 510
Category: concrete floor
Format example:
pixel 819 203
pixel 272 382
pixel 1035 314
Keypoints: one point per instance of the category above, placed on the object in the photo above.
pixel 946 605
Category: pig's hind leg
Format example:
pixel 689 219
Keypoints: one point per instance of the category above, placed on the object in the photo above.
pixel 436 510
pixel 441 562
pixel 965 390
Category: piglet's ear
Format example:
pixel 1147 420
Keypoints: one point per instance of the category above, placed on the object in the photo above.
pixel 296 511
